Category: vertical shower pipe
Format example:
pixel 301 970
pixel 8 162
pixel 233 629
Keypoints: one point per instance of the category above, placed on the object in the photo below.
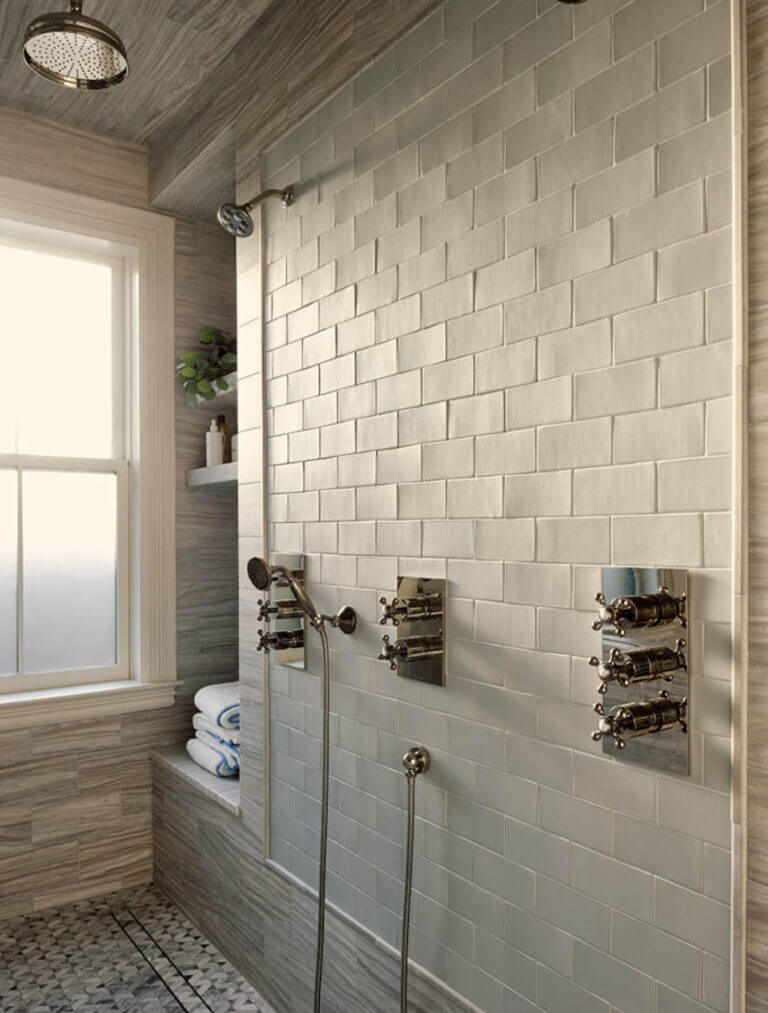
pixel 415 761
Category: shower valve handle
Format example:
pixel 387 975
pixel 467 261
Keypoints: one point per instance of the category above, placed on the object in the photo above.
pixel 643 665
pixel 639 610
pixel 642 717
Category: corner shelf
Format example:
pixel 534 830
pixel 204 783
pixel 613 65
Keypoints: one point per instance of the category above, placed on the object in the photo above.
pixel 220 476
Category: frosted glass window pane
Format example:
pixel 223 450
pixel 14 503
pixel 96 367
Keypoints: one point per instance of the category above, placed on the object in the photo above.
pixel 70 553
pixel 57 323
pixel 8 550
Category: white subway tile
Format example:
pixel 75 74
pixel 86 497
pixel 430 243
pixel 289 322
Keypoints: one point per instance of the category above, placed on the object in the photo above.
pixel 668 326
pixel 575 444
pixel 537 404
pixel 377 361
pixel 702 262
pixel 576 159
pixel 622 85
pixel 475 332
pixel 660 435
pixel 377 432
pixel 475 497
pixel 505 280
pixel 442 302
pixel 482 162
pixel 506 453
pixel 356 402
pixel 480 247
pixel 422 500
pixel 403 390
pixel 545 495
pixel 451 379
pixel 702 483
pixel 573 539
pixel 659 540
pixel 616 390
pixel 506 193
pixel 401 317
pixel 622 186
pixel 509 366
pixel 619 489
pixel 422 425
pixel 538 584
pixel 476 415
pixel 666 114
pixel 505 106
pixel 644 20
pixel 575 63
pixel 400 465
pixel 455 539
pixel 696 375
pixel 454 458
pixel 512 539
pixel 446 222
pixel 421 272
pixel 547 218
pixel 575 253
pixel 615 289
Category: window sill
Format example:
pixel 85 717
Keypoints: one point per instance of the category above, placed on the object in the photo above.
pixel 78 703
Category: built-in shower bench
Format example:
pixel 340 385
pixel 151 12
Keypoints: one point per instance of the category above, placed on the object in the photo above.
pixel 224 790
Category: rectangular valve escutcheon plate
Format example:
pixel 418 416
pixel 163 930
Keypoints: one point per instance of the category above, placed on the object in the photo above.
pixel 414 647
pixel 642 674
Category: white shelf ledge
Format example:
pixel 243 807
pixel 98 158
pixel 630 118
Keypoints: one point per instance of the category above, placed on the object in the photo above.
pixel 220 476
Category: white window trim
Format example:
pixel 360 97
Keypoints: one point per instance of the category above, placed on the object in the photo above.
pixel 147 239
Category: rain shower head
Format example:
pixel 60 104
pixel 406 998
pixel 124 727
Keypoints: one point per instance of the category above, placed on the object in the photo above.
pixel 236 218
pixel 76 51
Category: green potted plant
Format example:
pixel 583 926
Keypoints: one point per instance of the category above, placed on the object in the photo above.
pixel 203 374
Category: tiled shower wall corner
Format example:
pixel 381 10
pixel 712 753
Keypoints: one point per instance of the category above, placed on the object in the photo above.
pixel 497 325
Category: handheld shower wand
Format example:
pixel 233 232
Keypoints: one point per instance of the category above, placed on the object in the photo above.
pixel 415 761
pixel 261 575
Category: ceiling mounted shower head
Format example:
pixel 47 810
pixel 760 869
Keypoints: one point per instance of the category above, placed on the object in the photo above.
pixel 236 218
pixel 76 51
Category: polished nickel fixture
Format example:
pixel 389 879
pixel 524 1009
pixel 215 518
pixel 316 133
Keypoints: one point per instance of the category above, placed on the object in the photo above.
pixel 236 218
pixel 264 575
pixel 418 614
pixel 75 51
pixel 640 613
pixel 416 761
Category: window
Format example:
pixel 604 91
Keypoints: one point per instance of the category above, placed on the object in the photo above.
pixel 87 588
pixel 64 473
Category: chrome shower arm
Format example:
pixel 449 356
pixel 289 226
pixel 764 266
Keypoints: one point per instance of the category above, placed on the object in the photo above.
pixel 286 195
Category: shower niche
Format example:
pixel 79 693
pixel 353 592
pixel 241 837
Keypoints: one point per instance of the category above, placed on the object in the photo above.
pixel 282 630
pixel 643 671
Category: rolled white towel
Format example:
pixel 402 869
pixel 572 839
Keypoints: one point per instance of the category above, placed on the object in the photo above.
pixel 201 723
pixel 219 760
pixel 221 703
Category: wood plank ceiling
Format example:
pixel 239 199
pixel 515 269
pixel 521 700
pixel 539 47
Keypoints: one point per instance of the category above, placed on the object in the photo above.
pixel 172 46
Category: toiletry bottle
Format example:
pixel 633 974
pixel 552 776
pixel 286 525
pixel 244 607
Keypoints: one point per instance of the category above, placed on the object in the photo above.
pixel 214 445
pixel 221 421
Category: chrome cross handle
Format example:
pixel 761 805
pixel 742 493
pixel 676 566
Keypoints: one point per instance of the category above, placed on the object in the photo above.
pixel 642 665
pixel 639 610
pixel 643 717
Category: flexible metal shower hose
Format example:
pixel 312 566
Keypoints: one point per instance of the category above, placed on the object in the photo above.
pixel 323 817
pixel 411 779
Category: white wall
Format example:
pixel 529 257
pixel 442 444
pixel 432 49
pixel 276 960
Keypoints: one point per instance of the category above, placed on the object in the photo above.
pixel 497 325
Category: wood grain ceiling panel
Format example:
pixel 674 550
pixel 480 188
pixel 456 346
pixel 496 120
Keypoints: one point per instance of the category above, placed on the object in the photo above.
pixel 172 46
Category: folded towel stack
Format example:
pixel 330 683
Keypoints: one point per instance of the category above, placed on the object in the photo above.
pixel 216 745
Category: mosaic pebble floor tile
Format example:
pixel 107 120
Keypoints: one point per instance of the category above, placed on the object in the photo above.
pixel 131 952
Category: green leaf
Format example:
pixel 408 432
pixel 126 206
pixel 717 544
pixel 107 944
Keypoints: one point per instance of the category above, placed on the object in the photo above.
pixel 222 384
pixel 208 335
pixel 228 359
pixel 189 358
pixel 203 386
pixel 188 371
pixel 209 395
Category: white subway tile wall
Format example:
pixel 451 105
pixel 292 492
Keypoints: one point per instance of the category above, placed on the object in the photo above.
pixel 501 304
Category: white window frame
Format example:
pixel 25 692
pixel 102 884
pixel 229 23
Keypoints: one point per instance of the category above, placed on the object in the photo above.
pixel 143 242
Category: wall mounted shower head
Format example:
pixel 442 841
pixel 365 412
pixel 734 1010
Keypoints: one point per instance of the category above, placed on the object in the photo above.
pixel 76 51
pixel 261 575
pixel 236 218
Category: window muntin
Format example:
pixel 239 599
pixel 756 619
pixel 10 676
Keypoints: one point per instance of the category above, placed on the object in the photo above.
pixel 63 452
